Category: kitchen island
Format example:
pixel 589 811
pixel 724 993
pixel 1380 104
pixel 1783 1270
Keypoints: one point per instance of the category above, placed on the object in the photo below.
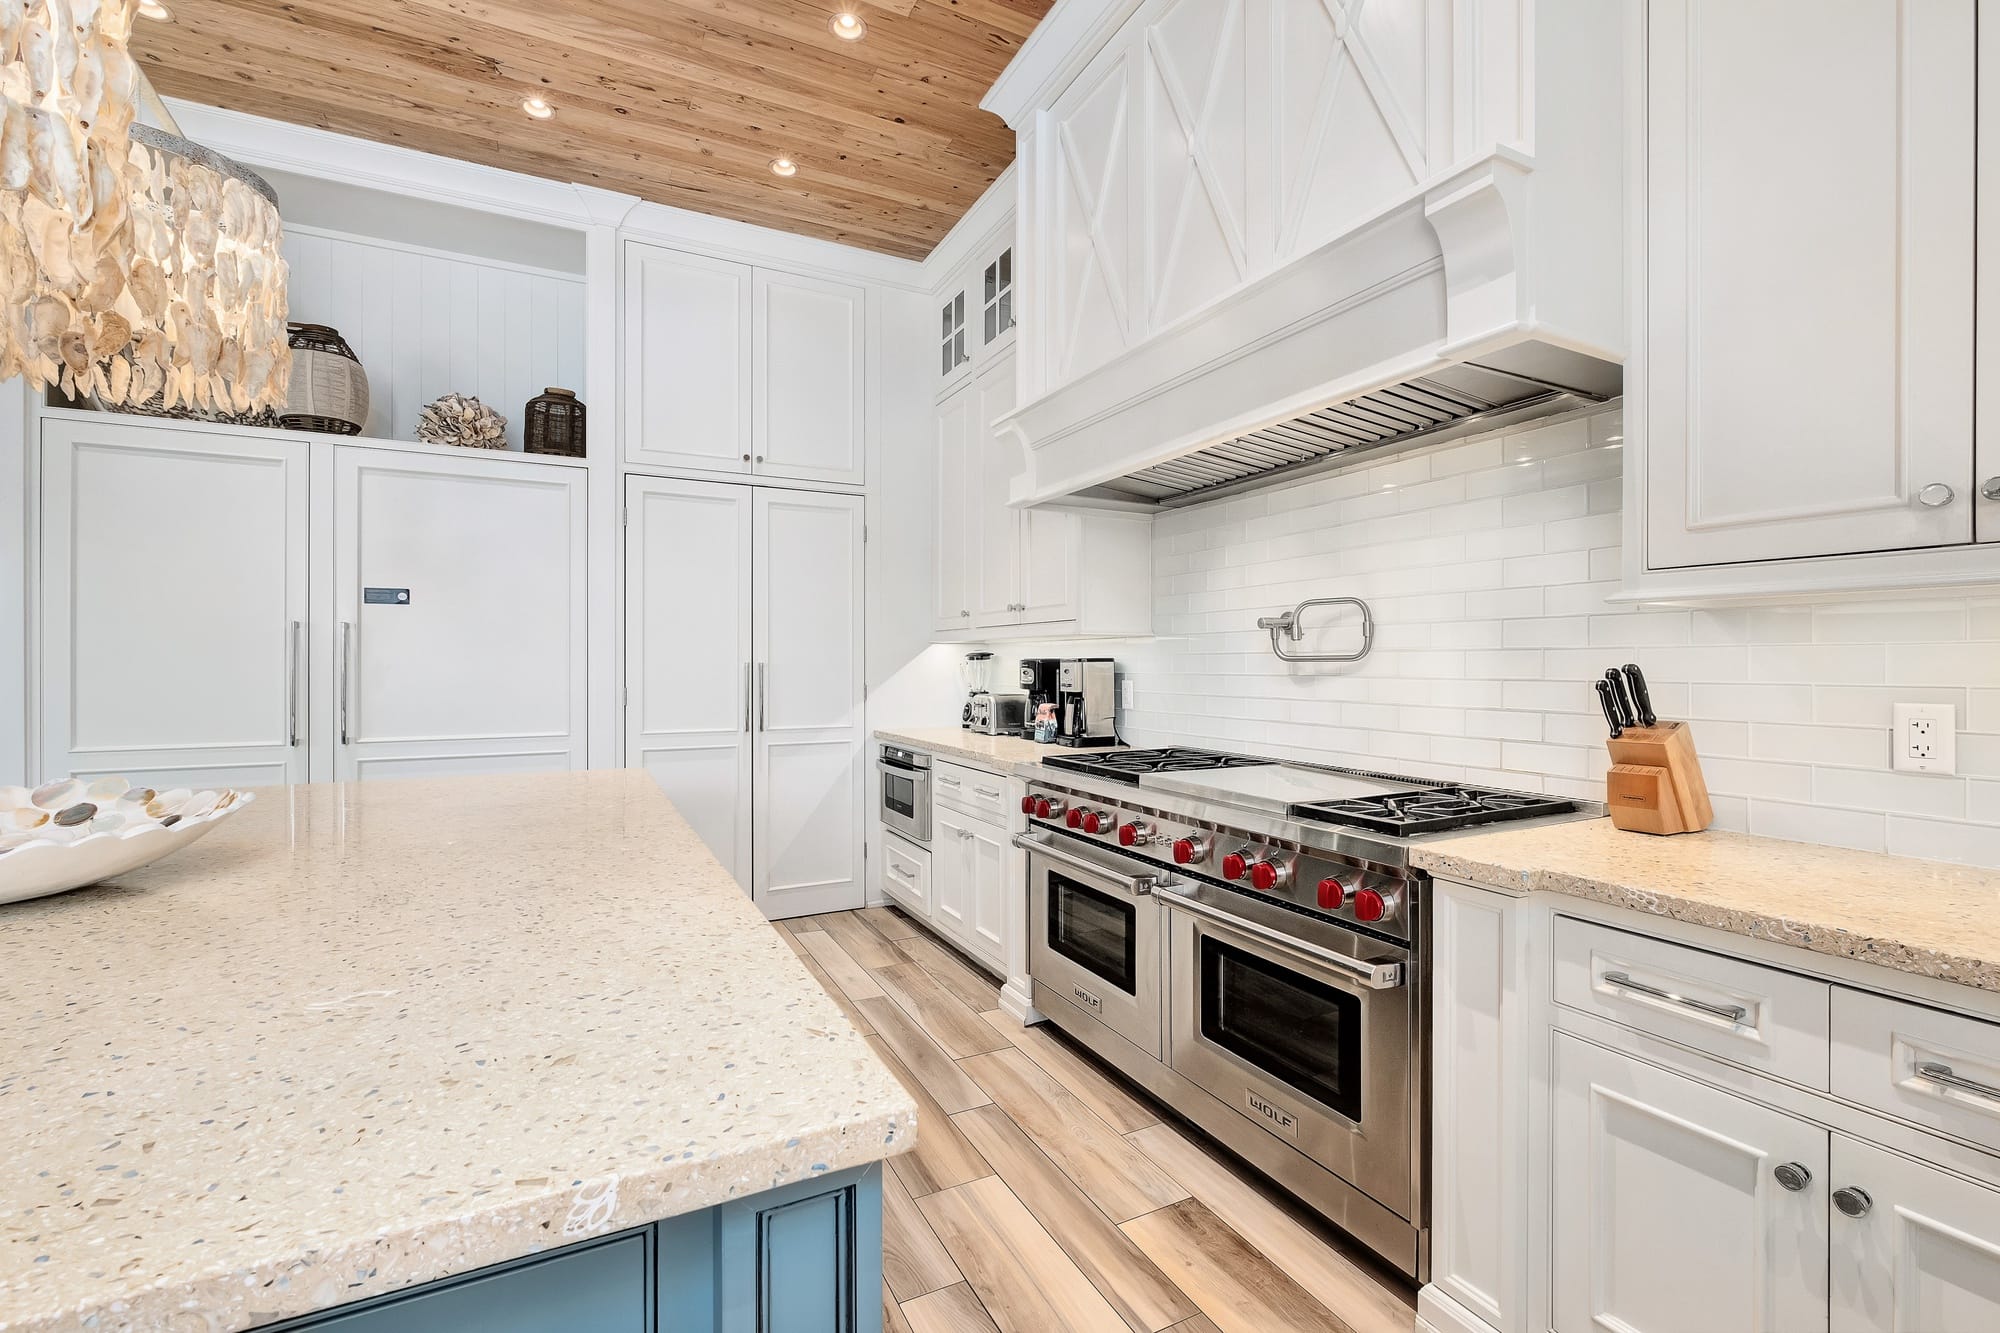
pixel 363 1038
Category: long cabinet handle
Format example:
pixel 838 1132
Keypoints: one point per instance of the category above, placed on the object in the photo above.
pixel 294 656
pixel 749 688
pixel 1038 844
pixel 990 793
pixel 763 696
pixel 1735 1013
pixel 1363 972
pixel 1938 1073
pixel 344 651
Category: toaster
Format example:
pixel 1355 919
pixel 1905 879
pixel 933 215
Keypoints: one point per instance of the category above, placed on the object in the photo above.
pixel 997 714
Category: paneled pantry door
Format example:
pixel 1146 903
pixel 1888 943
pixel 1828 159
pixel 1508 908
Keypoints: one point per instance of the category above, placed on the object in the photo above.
pixel 743 679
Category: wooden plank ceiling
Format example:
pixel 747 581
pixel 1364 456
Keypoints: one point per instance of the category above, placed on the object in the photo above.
pixel 684 102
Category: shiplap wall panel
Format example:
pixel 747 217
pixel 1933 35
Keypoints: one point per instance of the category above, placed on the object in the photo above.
pixel 426 324
pixel 1487 564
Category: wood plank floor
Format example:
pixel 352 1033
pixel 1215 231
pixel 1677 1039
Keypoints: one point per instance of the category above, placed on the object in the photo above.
pixel 1045 1195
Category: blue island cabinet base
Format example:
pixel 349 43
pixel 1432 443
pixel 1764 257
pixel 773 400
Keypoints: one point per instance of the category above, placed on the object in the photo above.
pixel 806 1258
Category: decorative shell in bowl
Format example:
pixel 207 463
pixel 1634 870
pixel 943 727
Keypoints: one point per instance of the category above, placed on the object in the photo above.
pixel 76 831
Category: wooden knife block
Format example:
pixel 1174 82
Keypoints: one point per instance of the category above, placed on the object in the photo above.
pixel 1655 783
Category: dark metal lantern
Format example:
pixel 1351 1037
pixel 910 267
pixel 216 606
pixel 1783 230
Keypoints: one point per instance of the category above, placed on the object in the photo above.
pixel 554 424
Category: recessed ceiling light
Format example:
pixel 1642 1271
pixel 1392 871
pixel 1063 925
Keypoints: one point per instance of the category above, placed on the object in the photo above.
pixel 153 9
pixel 784 166
pixel 847 26
pixel 538 108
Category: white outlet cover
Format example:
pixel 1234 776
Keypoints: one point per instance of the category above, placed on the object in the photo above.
pixel 1128 693
pixel 1925 738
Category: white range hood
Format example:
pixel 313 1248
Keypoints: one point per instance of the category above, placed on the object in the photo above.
pixel 1474 296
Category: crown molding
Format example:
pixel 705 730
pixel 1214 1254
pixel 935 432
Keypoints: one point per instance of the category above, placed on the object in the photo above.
pixel 990 217
pixel 1069 36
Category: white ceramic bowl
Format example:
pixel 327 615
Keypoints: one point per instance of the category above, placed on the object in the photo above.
pixel 73 832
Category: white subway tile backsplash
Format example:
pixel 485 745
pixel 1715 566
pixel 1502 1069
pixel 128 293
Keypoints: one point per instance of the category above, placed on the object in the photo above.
pixel 1490 565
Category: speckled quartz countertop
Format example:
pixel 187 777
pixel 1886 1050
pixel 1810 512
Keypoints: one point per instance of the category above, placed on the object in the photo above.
pixel 1001 753
pixel 1927 917
pixel 362 1037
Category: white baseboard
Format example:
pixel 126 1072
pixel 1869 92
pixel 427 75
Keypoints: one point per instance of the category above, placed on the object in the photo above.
pixel 1439 1313
pixel 1016 1000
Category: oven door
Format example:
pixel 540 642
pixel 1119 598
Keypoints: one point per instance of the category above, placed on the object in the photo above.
pixel 1094 939
pixel 1301 1027
pixel 906 800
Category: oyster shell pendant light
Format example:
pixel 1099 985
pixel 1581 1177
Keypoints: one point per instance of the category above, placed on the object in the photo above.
pixel 133 264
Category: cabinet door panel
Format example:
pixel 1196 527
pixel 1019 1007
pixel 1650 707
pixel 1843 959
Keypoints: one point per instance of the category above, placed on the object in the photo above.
pixel 955 538
pixel 809 345
pixel 1666 1213
pixel 689 649
pixel 173 605
pixel 482 669
pixel 951 873
pixel 1090 250
pixel 687 360
pixel 996 560
pixel 810 787
pixel 1926 1254
pixel 1806 380
pixel 988 852
pixel 1196 179
pixel 1051 546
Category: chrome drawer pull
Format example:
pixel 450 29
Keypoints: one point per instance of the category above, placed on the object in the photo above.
pixel 1938 1073
pixel 1735 1013
pixel 901 873
pixel 990 793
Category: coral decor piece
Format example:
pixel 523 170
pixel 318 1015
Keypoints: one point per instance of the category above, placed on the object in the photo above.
pixel 463 421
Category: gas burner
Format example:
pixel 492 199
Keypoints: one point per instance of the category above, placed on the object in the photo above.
pixel 1130 765
pixel 1434 810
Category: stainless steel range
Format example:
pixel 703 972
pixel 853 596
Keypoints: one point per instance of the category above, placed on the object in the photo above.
pixel 1245 939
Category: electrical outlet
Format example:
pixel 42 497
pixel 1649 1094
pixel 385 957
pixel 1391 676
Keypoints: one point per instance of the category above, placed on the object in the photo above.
pixel 1925 739
pixel 1128 693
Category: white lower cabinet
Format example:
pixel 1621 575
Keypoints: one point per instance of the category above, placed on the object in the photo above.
pixel 906 875
pixel 969 883
pixel 743 679
pixel 1669 1213
pixel 247 607
pixel 1922 1251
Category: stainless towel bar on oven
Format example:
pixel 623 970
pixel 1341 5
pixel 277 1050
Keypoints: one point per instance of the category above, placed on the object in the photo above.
pixel 1288 624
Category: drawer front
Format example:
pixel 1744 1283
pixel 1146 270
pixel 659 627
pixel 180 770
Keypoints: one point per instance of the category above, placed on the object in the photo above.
pixel 981 795
pixel 599 1287
pixel 906 876
pixel 1935 1069
pixel 1745 1013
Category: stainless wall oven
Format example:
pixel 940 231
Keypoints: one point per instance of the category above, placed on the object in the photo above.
pixel 1301 1027
pixel 1094 938
pixel 906 792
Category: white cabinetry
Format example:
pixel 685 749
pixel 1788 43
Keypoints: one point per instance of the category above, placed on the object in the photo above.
pixel 1669 1213
pixel 459 595
pixel 206 613
pixel 743 679
pixel 970 860
pixel 173 581
pixel 735 368
pixel 1006 571
pixel 1790 430
pixel 1924 1253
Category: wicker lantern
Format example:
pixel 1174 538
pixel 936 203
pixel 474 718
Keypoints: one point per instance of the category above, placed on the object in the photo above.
pixel 554 424
pixel 329 390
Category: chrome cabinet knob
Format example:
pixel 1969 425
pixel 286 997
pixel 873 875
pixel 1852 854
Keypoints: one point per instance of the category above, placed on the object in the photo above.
pixel 1990 488
pixel 1936 495
pixel 1792 1176
pixel 1852 1200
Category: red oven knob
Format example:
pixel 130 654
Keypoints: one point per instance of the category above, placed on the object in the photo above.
pixel 1268 875
pixel 1131 835
pixel 1097 822
pixel 1027 805
pixel 1048 809
pixel 1234 865
pixel 1074 819
pixel 1332 893
pixel 1190 851
pixel 1369 905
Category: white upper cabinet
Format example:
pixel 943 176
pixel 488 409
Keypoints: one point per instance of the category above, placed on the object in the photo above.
pixel 734 368
pixel 687 360
pixel 1087 318
pixel 1809 279
pixel 997 532
pixel 808 415
pixel 954 540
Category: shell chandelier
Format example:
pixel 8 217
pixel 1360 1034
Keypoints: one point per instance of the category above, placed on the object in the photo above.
pixel 136 266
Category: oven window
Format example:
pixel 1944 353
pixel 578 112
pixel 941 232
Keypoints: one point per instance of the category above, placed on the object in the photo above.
pixel 1301 1033
pixel 1094 930
pixel 900 795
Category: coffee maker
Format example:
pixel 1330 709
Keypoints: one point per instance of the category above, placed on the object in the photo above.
pixel 1086 702
pixel 1040 679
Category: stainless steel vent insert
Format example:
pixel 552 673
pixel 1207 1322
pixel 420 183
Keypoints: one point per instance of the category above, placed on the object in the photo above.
pixel 1458 400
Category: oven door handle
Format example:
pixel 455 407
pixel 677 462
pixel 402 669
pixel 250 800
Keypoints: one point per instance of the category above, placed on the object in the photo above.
pixel 898 771
pixel 1139 886
pixel 1370 976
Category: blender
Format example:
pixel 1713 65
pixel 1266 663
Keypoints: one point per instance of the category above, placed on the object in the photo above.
pixel 977 673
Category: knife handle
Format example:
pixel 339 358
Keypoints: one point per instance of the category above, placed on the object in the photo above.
pixel 1642 698
pixel 1628 716
pixel 1610 705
